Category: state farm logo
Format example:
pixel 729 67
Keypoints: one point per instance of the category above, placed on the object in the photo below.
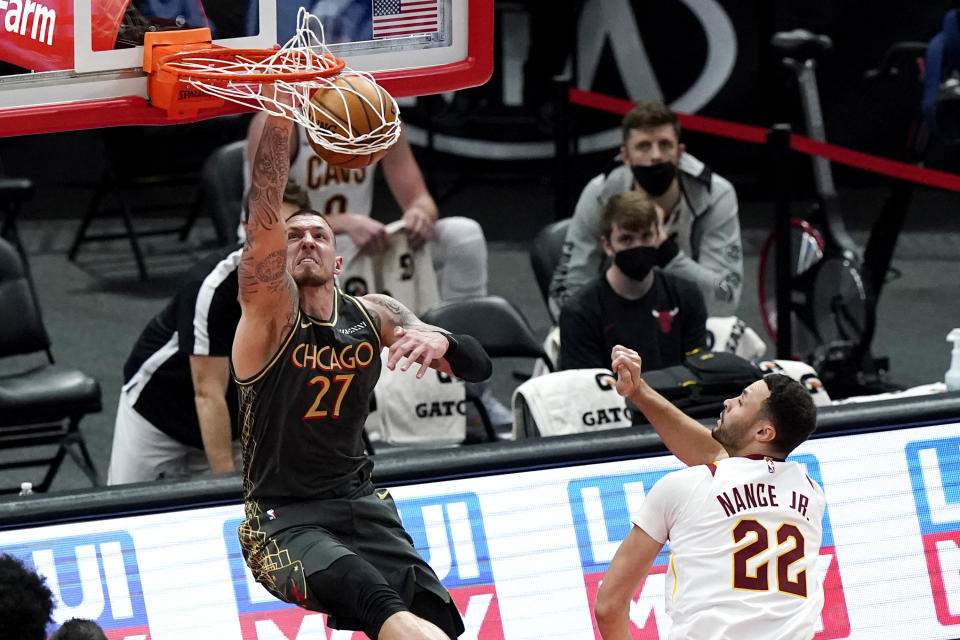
pixel 621 45
pixel 29 19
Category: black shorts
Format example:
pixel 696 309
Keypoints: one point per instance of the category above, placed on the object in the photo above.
pixel 289 543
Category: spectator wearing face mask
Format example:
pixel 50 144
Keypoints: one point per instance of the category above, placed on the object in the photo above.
pixel 633 302
pixel 699 214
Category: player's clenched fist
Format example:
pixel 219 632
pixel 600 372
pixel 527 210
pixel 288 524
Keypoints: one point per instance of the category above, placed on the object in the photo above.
pixel 626 365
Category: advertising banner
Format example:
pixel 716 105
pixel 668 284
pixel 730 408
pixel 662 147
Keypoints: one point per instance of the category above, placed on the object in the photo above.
pixel 524 553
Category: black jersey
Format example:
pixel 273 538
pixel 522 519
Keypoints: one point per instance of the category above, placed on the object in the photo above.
pixel 201 319
pixel 302 416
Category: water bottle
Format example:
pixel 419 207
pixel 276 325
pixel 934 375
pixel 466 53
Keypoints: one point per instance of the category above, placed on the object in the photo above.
pixel 26 488
pixel 952 377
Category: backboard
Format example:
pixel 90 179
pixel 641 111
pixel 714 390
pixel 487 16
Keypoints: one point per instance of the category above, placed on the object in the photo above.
pixel 78 64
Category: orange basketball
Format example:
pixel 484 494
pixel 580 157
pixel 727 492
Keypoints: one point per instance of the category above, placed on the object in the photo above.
pixel 348 115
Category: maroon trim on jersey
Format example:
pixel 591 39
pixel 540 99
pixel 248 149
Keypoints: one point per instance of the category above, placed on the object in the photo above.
pixel 812 483
pixel 760 456
pixel 713 468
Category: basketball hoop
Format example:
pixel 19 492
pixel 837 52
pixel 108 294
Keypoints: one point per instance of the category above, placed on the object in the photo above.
pixel 189 74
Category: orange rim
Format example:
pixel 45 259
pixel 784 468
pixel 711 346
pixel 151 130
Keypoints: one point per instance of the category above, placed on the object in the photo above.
pixel 225 54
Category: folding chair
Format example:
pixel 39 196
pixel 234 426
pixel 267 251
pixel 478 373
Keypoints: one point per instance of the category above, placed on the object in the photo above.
pixel 39 404
pixel 499 327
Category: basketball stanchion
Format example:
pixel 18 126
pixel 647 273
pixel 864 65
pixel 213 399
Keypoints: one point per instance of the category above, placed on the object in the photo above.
pixel 349 119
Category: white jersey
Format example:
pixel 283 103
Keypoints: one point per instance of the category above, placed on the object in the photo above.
pixel 332 189
pixel 399 271
pixel 744 542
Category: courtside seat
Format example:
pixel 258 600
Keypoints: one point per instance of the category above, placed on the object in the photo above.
pixel 545 254
pixel 13 193
pixel 499 327
pixel 40 404
pixel 222 180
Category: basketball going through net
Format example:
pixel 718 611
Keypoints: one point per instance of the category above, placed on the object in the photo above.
pixel 350 120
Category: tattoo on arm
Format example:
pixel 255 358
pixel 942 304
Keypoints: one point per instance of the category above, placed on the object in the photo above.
pixel 397 314
pixel 390 311
pixel 271 167
pixel 377 320
pixel 272 270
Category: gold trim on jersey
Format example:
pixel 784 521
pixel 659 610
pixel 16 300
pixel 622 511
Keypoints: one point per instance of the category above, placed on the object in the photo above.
pixel 363 310
pixel 276 356
pixel 333 318
pixel 673 570
pixel 264 557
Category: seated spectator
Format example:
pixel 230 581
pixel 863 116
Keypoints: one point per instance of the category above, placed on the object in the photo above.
pixel 633 303
pixel 79 629
pixel 345 196
pixel 701 240
pixel 177 414
pixel 26 602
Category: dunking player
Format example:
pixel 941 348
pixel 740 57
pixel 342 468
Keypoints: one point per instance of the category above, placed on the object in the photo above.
pixel 306 358
pixel 744 525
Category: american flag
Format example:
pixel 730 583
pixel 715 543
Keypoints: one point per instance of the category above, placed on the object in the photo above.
pixel 405 17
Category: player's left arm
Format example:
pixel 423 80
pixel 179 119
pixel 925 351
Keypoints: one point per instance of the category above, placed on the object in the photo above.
pixel 407 336
pixel 406 182
pixel 628 569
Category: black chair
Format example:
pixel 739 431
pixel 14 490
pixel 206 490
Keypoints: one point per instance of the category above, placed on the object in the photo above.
pixel 40 404
pixel 222 180
pixel 545 253
pixel 500 328
pixel 155 169
pixel 13 193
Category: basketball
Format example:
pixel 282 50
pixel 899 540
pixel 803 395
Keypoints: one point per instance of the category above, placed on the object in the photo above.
pixel 356 113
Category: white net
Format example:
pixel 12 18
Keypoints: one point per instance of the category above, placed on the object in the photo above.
pixel 294 70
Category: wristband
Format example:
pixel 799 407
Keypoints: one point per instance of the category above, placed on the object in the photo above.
pixel 467 359
pixel 454 345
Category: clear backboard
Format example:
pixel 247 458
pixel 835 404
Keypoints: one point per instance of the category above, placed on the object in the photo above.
pixel 78 64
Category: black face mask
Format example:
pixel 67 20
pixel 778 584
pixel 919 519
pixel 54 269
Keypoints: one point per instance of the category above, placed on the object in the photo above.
pixel 637 262
pixel 656 178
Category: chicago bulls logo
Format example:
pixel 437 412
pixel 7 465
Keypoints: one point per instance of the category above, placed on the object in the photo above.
pixel 665 318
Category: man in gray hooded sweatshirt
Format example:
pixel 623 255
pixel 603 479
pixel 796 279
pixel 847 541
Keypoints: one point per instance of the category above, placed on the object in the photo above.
pixel 701 227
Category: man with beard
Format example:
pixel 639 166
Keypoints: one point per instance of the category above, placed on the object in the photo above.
pixel 633 302
pixel 744 525
pixel 701 239
pixel 306 358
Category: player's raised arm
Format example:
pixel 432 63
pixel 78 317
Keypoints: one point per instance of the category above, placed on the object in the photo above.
pixel 268 295
pixel 685 437
pixel 418 342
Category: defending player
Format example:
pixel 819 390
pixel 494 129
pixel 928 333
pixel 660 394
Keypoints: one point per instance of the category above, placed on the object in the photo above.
pixel 744 525
pixel 306 358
